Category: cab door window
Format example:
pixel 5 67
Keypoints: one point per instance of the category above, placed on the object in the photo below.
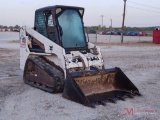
pixel 40 23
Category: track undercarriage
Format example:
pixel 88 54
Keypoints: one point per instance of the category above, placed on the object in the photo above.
pixel 40 74
pixel 82 86
pixel 86 87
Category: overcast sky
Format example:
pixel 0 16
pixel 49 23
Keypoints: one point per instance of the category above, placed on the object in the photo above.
pixel 138 12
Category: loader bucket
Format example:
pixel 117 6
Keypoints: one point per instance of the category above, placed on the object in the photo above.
pixel 94 87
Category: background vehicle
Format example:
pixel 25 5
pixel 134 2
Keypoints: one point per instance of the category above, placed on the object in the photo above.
pixel 109 33
pixel 133 33
pixel 116 33
pixel 57 57
pixel 103 33
pixel 142 34
pixel 127 33
pixel 91 32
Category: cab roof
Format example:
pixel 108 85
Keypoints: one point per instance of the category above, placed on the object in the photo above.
pixel 58 6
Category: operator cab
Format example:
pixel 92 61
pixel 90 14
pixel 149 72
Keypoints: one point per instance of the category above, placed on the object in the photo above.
pixel 63 25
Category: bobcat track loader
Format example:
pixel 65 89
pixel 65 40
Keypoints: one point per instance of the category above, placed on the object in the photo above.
pixel 56 56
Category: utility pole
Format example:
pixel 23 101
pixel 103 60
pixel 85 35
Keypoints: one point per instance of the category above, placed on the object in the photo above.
pixel 124 13
pixel 102 20
pixel 110 31
pixel 111 24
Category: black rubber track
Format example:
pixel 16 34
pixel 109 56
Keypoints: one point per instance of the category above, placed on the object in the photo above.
pixel 51 70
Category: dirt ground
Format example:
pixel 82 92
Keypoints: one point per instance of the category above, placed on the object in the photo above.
pixel 139 61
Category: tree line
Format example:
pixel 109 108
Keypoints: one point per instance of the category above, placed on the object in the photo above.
pixel 104 28
pixel 16 26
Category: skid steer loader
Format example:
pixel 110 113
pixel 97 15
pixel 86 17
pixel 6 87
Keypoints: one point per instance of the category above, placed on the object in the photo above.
pixel 56 56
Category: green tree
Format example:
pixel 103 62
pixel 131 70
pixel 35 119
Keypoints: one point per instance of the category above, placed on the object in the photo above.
pixel 17 26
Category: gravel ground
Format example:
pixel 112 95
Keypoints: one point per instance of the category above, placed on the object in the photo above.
pixel 139 61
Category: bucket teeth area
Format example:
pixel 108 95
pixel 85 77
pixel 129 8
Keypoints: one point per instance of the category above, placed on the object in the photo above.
pixel 102 102
pixel 129 95
pixel 112 100
pixel 111 97
pixel 121 98
pixel 92 87
pixel 137 93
